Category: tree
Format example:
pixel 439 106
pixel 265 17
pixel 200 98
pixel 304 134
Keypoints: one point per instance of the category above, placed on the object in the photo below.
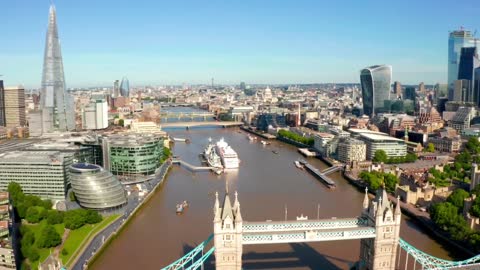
pixel 54 217
pixel 47 204
pixel 380 156
pixel 390 181
pixel 430 148
pixel 372 179
pixel 15 190
pixel 457 197
pixel 31 253
pixel 33 215
pixel 74 219
pixel 28 238
pixel 92 217
pixel 49 238
pixel 475 210
pixel 410 157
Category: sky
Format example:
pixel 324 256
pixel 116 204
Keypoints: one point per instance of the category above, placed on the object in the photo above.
pixel 256 41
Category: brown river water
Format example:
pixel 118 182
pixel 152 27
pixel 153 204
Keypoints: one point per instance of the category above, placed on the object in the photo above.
pixel 266 184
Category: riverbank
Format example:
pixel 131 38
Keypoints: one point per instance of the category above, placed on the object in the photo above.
pixel 422 218
pixel 101 241
pixel 263 135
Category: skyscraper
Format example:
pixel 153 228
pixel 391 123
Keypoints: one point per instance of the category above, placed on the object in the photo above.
pixel 409 93
pixel 397 88
pixel 58 111
pixel 116 89
pixel 376 83
pixel 124 87
pixel 466 71
pixel 421 88
pixel 456 41
pixel 2 105
pixel 15 107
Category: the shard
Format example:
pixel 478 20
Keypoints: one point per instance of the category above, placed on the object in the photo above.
pixel 58 111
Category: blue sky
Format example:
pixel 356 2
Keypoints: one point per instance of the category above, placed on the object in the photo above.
pixel 256 41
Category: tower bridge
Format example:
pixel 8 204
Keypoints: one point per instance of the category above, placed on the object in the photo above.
pixel 377 227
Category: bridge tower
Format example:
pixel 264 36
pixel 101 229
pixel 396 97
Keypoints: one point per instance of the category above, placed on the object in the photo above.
pixel 379 253
pixel 227 230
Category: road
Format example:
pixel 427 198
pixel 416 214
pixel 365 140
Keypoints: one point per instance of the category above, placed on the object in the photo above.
pixel 134 201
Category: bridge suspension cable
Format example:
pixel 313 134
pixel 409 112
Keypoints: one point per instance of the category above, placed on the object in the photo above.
pixel 430 262
pixel 189 258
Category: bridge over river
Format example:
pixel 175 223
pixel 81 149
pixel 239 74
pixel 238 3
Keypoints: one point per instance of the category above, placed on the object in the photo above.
pixel 201 124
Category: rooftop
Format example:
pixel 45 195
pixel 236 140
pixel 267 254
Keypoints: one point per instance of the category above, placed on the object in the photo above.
pixel 33 157
pixel 380 137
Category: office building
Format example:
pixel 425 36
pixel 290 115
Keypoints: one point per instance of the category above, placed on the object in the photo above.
pixel 380 141
pixel 95 115
pixel 409 93
pixel 456 41
pixel 351 150
pixel 15 107
pixel 242 86
pixel 8 236
pixel 125 87
pixel 461 91
pixel 41 173
pixel 132 154
pixel 376 83
pixel 56 104
pixel 270 120
pixel 397 89
pixel 95 187
pixel 116 88
pixel 461 119
pixel 469 62
pixel 446 144
pixel 440 90
pixel 79 152
pixel 421 88
pixel 2 105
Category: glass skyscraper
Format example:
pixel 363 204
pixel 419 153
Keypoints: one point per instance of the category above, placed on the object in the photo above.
pixel 466 71
pixel 456 41
pixel 376 83
pixel 57 105
pixel 124 87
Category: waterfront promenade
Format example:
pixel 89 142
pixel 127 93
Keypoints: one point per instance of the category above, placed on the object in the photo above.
pixel 101 240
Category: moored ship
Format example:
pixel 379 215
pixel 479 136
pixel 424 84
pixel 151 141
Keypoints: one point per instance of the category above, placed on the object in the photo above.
pixel 228 156
pixel 211 156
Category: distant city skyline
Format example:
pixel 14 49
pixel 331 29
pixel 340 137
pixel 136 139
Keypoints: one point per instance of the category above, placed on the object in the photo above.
pixel 257 42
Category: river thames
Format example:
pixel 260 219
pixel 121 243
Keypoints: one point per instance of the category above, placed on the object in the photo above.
pixel 267 183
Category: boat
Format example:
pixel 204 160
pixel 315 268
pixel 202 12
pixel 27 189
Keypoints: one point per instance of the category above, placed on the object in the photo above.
pixel 265 142
pixel 251 138
pixel 179 208
pixel 275 152
pixel 211 156
pixel 228 156
pixel 298 164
